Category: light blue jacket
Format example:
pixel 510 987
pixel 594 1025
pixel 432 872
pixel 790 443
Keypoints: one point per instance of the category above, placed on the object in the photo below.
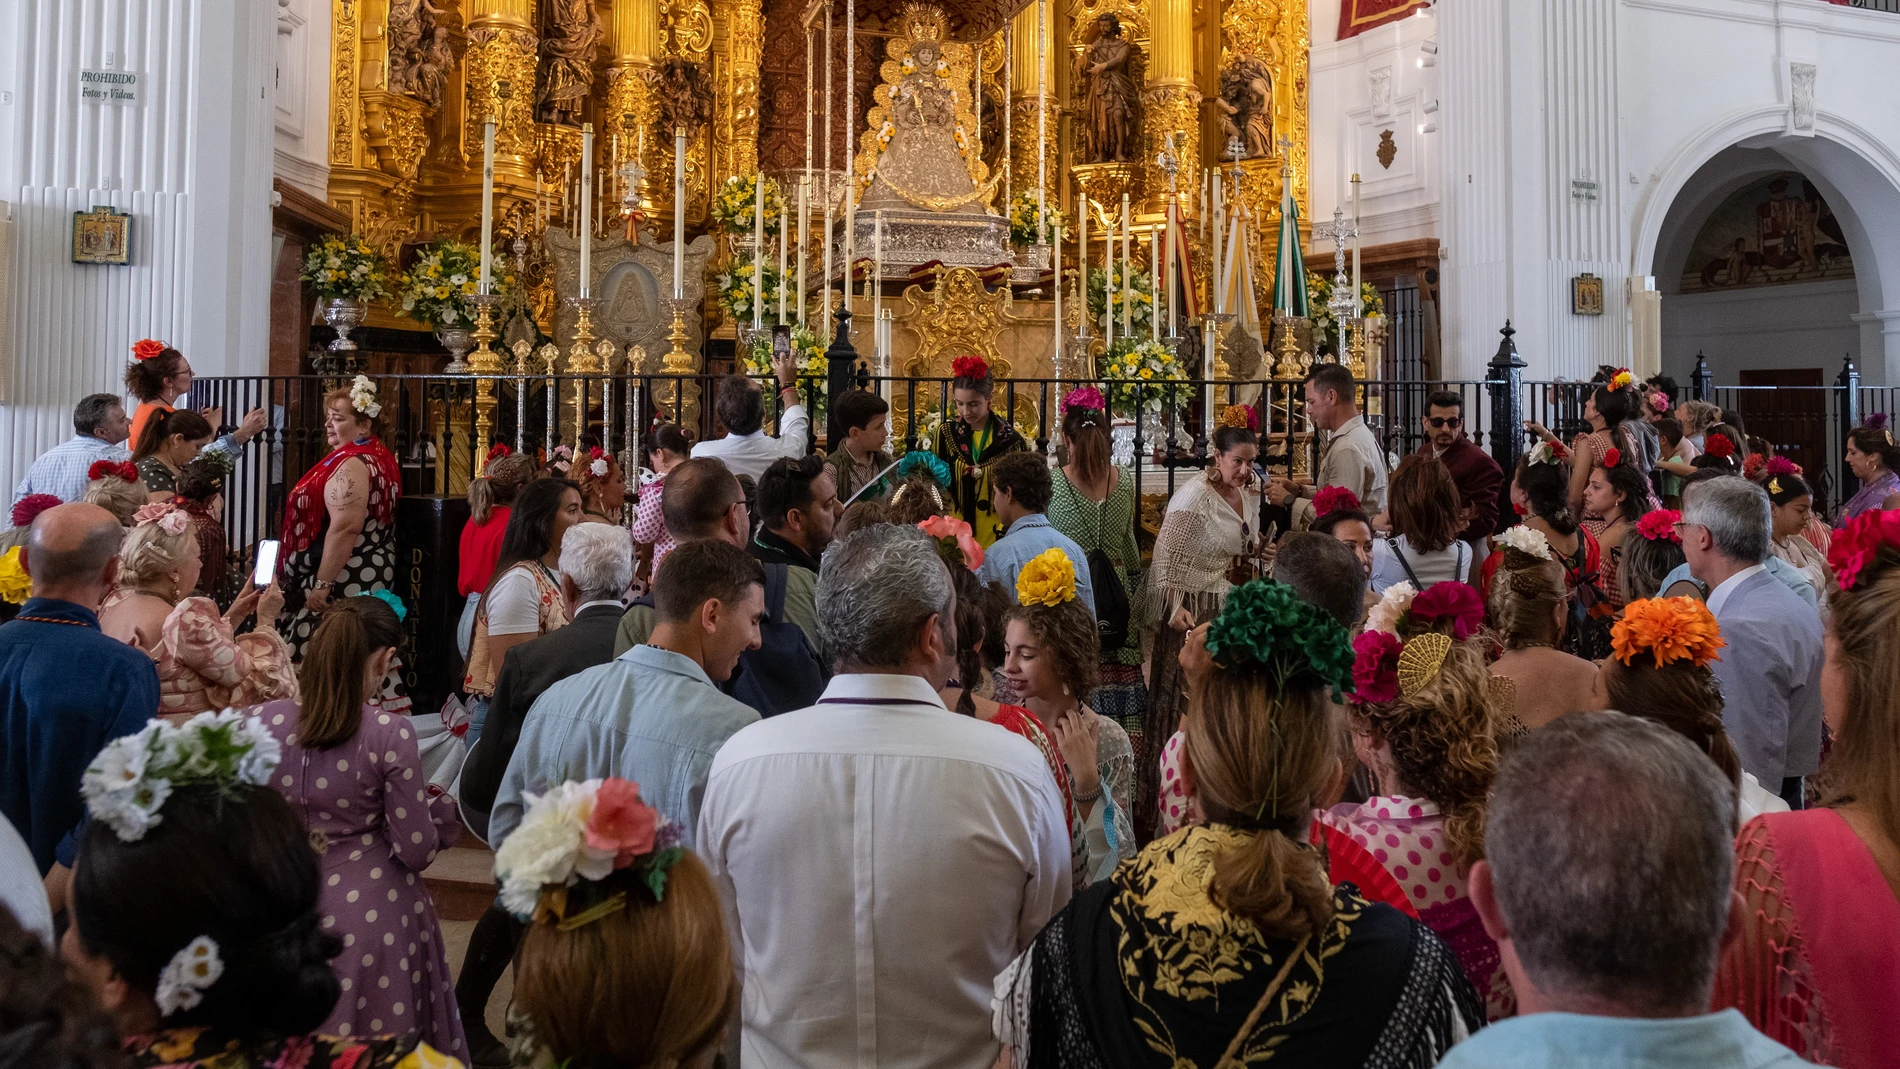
pixel 1027 539
pixel 1722 1040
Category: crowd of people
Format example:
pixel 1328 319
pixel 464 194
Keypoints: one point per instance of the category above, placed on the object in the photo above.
pixel 802 760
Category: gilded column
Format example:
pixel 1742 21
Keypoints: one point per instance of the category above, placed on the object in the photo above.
pixel 501 49
pixel 1027 134
pixel 630 104
pixel 1172 102
pixel 748 50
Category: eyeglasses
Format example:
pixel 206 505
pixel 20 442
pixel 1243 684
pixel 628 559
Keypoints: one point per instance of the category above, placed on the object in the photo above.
pixel 1438 422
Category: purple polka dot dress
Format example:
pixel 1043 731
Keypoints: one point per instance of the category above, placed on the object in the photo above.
pixel 378 824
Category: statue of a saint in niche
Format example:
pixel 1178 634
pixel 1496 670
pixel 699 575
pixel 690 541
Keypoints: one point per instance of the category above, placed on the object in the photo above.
pixel 1245 106
pixel 1107 76
pixel 923 164
pixel 570 41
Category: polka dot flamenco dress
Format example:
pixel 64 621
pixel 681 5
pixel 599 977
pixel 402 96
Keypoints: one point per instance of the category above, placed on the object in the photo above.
pixel 378 824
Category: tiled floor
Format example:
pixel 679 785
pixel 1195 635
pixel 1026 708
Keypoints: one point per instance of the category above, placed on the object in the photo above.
pixel 462 882
pixel 455 940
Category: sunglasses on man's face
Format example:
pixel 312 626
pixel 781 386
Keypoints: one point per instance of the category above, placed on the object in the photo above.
pixel 1441 422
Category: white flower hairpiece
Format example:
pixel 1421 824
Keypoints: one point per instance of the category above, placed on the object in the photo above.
pixel 1526 540
pixel 583 831
pixel 130 779
pixel 363 397
pixel 188 975
pixel 1548 452
pixel 1385 616
pixel 598 467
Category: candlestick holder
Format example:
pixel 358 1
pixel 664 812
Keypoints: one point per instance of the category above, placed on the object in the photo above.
pixel 1217 322
pixel 483 362
pixel 678 361
pixel 1293 361
pixel 584 358
pixel 1356 351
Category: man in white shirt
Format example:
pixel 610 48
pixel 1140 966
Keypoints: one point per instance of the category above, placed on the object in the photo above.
pixel 1350 456
pixel 741 407
pixel 99 430
pixel 1770 669
pixel 880 857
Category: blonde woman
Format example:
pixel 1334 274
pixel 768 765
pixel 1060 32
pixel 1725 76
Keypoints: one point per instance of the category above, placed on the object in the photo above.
pixel 116 487
pixel 203 664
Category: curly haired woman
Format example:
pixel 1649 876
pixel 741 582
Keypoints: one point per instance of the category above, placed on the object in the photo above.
pixel 1422 720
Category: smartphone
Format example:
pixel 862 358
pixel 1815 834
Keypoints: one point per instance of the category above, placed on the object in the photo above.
pixel 266 569
pixel 781 341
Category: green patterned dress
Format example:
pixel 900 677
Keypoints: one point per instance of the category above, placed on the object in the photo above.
pixel 1110 527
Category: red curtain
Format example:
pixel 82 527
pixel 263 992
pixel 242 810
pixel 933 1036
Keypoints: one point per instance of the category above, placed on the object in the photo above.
pixel 1358 16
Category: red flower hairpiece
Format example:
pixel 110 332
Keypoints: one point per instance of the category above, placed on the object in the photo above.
pixel 1752 465
pixel 1782 466
pixel 29 507
pixel 1857 546
pixel 1375 667
pixel 1718 445
pixel 123 469
pixel 1612 457
pixel 970 367
pixel 954 536
pixel 1660 526
pixel 1331 499
pixel 147 348
pixel 497 451
pixel 1456 603
pixel 596 453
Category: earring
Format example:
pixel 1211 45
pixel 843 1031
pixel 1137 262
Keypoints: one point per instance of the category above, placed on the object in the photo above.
pixel 1065 690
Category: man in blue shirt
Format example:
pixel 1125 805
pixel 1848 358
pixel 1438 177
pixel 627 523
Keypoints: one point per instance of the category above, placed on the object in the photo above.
pixel 1020 485
pixel 65 688
pixel 99 430
pixel 1610 927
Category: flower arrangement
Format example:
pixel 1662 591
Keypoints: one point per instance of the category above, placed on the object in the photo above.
pixel 584 831
pixel 808 350
pixel 1140 302
pixel 735 211
pixel 1048 579
pixel 1549 452
pixel 1717 444
pixel 956 541
pixel 1526 540
pixel 28 508
pixel 344 267
pixel 436 289
pixel 971 368
pixel 1084 397
pixel 1669 630
pixel 1330 499
pixel 363 397
pixel 734 290
pixel 1781 466
pixel 15 585
pixel 1240 416
pixel 1265 623
pixel 1456 606
pixel 1023 228
pixel 127 784
pixel 1130 365
pixel 1858 545
pixel 148 349
pixel 1319 297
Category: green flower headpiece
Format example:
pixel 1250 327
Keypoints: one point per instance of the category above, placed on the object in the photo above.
pixel 1266 623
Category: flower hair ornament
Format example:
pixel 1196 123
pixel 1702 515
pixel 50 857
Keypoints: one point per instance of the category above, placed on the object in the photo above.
pixel 1386 667
pixel 147 349
pixel 1612 457
pixel 1549 452
pixel 553 868
pixel 1782 466
pixel 1264 623
pixel 1718 445
pixel 1752 465
pixel 1331 499
pixel 1622 379
pixel 927 463
pixel 973 368
pixel 598 465
pixel 1048 579
pixel 496 452
pixel 15 585
pixel 1240 416
pixel 127 784
pixel 363 397
pixel 1659 525
pixel 104 469
pixel 1668 630
pixel 955 541
pixel 190 973
pixel 165 514
pixel 1529 541
pixel 1087 398
pixel 1878 421
pixel 1857 546
pixel 1659 401
pixel 395 603
pixel 28 508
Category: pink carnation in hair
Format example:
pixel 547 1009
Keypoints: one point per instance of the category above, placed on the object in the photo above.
pixel 949 527
pixel 1660 526
pixel 621 822
pixel 1858 544
pixel 1331 499
pixel 1781 466
pixel 1375 667
pixel 1084 397
pixel 1456 603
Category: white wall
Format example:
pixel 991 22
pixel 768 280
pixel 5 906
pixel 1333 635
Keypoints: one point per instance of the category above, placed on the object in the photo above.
pixel 1637 96
pixel 190 162
pixel 302 92
pixel 1764 328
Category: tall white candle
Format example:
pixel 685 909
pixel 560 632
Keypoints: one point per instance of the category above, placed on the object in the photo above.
pixel 567 188
pixel 488 201
pixel 1217 277
pixel 758 249
pixel 1168 265
pixel 1055 262
pixel 784 250
pixel 1127 286
pixel 1358 308
pixel 587 209
pixel 804 234
pixel 679 213
pixel 877 272
pixel 1154 276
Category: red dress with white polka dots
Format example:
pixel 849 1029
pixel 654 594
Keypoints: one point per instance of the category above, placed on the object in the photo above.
pixel 1407 836
pixel 378 823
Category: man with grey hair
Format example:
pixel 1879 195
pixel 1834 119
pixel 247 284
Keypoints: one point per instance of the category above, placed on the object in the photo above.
pixel 881 858
pixel 1770 670
pixel 1610 928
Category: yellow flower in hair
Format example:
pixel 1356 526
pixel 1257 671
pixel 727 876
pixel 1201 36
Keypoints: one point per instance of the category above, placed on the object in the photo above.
pixel 1049 579
pixel 15 585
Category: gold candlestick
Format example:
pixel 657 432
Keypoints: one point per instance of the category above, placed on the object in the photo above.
pixel 1292 365
pixel 482 363
pixel 584 358
pixel 1356 352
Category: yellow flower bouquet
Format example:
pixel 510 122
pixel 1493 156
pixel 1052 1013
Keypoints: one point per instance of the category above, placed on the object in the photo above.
pixel 734 211
pixel 1140 302
pixel 1023 230
pixel 436 289
pixel 1137 375
pixel 344 267
pixel 734 290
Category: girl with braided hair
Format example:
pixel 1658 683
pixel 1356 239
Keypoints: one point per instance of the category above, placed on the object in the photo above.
pixel 1529 612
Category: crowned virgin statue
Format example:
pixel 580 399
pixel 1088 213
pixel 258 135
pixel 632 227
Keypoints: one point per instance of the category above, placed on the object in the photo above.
pixel 925 155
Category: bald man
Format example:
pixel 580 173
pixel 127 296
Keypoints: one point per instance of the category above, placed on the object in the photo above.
pixel 65 688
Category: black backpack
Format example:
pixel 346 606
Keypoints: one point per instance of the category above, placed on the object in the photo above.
pixel 1111 601
pixel 784 673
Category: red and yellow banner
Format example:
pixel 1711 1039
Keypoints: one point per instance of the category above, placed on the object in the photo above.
pixel 1358 16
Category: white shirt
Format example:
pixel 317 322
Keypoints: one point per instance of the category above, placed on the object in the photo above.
pixel 1350 457
pixel 1720 595
pixel 751 454
pixel 1453 564
pixel 881 859
pixel 514 604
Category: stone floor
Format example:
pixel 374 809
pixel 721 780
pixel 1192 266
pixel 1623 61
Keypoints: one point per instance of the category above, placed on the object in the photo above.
pixel 462 882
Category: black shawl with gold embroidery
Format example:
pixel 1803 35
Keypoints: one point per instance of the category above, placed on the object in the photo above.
pixel 956 444
pixel 1144 972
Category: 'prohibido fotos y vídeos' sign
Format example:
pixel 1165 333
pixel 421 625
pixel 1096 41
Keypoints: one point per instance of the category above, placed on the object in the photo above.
pixel 108 87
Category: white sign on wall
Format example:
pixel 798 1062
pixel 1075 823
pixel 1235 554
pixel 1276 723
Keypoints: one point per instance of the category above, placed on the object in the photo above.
pixel 109 87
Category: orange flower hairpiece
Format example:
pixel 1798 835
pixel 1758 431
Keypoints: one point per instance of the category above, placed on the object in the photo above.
pixel 147 348
pixel 1669 629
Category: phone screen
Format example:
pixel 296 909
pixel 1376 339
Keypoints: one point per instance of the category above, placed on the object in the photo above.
pixel 781 340
pixel 266 563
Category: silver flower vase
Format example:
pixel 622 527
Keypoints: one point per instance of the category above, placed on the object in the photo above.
pixel 344 314
pixel 458 341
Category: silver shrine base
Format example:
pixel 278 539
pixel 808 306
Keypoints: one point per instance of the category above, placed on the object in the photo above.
pixel 913 238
